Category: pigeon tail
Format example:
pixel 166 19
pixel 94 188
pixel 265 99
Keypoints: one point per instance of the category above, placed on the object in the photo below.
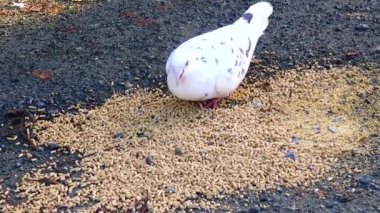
pixel 257 17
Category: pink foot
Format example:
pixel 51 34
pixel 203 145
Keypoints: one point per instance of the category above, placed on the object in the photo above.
pixel 211 103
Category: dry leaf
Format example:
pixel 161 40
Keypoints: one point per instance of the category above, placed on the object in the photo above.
pixel 8 12
pixel 42 74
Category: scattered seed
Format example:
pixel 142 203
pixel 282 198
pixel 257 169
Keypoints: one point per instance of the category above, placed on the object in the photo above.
pixel 12 138
pixel 222 147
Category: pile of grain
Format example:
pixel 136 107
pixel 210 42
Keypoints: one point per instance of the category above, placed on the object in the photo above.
pixel 287 130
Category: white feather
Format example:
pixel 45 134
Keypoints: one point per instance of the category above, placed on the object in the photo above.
pixel 212 65
pixel 19 5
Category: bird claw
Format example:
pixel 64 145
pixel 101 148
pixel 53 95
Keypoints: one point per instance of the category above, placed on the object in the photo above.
pixel 211 103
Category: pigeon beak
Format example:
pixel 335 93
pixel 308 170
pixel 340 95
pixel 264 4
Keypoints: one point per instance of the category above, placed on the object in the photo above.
pixel 179 77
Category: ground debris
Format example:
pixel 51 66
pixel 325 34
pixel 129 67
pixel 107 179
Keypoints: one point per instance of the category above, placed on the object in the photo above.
pixel 185 156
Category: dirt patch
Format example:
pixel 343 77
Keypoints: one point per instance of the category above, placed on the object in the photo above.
pixel 285 131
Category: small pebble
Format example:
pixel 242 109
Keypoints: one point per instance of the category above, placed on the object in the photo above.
pixel 163 3
pixel 203 153
pixel 374 81
pixel 149 160
pixel 362 27
pixel 170 190
pixel 343 198
pixel 295 140
pixel 329 66
pixel 128 85
pixel 280 190
pixel 276 206
pixel 40 103
pixel 330 204
pixel 317 130
pixel 376 49
pixel 365 180
pixel 256 103
pixel 291 155
pixel 179 151
pixel 53 111
pixel 351 82
pixel 254 209
pixel 292 208
pixel 118 135
pixel 263 197
pixel 210 143
pixel 54 145
pixel 332 130
pixel 337 120
pixel 18 164
pixel 375 186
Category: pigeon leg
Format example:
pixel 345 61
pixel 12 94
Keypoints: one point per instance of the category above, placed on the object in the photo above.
pixel 211 103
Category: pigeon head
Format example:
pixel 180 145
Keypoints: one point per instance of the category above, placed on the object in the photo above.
pixel 182 65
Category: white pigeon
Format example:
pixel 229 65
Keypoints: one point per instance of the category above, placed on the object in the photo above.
pixel 210 66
